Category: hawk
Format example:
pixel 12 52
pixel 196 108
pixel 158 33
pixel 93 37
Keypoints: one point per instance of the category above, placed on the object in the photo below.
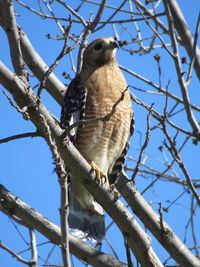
pixel 93 94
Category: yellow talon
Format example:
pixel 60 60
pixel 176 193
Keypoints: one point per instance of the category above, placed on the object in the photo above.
pixel 115 192
pixel 99 174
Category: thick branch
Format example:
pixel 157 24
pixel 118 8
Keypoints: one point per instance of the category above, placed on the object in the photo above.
pixel 184 33
pixel 17 209
pixel 10 27
pixel 151 220
pixel 35 63
pixel 184 90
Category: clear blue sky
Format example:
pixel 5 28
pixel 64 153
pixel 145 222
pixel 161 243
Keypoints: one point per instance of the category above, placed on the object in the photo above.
pixel 26 165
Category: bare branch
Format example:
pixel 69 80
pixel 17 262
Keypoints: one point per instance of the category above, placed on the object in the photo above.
pixel 34 220
pixel 184 33
pixel 14 254
pixel 151 219
pixel 23 111
pixel 62 175
pixel 183 86
pixel 142 149
pixel 193 57
pixel 103 23
pixel 114 13
pixel 158 116
pixel 65 50
pixel 53 85
pixel 175 154
pixel 10 27
pixel 18 136
pixel 156 33
pixel 73 12
pixel 33 249
pixel 162 90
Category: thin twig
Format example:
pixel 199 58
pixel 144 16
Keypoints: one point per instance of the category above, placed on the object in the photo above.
pixel 63 52
pixel 112 248
pixel 128 254
pixel 156 33
pixel 157 58
pixel 143 148
pixel 18 136
pixel 166 209
pixel 161 222
pixel 175 154
pixel 194 235
pixel 52 14
pixel 73 12
pixel 162 90
pixel 14 254
pixel 114 13
pixel 23 111
pixel 53 17
pixel 185 37
pixel 158 116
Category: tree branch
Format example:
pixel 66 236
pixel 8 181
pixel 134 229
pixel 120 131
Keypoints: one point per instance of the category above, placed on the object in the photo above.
pixel 33 249
pixel 18 136
pixel 64 205
pixel 53 85
pixel 10 27
pixel 184 33
pixel 14 254
pixel 184 90
pixel 151 219
pixel 175 154
pixel 158 88
pixel 17 209
pixel 147 136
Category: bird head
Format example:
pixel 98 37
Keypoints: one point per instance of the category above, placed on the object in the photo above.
pixel 100 52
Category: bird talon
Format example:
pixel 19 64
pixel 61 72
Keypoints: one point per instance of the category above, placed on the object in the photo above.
pixel 115 192
pixel 100 176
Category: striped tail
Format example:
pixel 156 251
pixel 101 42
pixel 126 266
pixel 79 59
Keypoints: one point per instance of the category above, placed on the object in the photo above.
pixel 84 222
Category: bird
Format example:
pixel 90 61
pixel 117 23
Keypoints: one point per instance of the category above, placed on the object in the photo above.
pixel 98 91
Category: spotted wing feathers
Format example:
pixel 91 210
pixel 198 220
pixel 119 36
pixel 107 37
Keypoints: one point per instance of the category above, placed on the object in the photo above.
pixel 73 105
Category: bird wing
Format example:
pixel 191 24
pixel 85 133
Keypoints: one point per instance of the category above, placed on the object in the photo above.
pixel 73 105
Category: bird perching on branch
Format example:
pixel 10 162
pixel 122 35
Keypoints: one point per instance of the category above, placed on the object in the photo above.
pixel 98 90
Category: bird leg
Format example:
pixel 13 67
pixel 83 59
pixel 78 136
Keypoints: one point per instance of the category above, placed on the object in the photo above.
pixel 99 174
pixel 115 192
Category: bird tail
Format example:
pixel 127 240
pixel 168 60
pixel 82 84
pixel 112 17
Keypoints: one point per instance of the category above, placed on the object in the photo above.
pixel 86 222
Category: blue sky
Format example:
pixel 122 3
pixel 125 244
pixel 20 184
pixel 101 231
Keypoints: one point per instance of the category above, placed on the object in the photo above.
pixel 26 164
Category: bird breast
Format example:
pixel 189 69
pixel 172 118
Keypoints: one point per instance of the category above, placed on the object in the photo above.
pixel 103 141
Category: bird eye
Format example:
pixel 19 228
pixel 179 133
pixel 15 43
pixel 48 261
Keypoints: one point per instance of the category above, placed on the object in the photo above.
pixel 98 47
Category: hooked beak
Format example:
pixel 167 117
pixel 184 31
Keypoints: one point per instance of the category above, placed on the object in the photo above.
pixel 115 45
